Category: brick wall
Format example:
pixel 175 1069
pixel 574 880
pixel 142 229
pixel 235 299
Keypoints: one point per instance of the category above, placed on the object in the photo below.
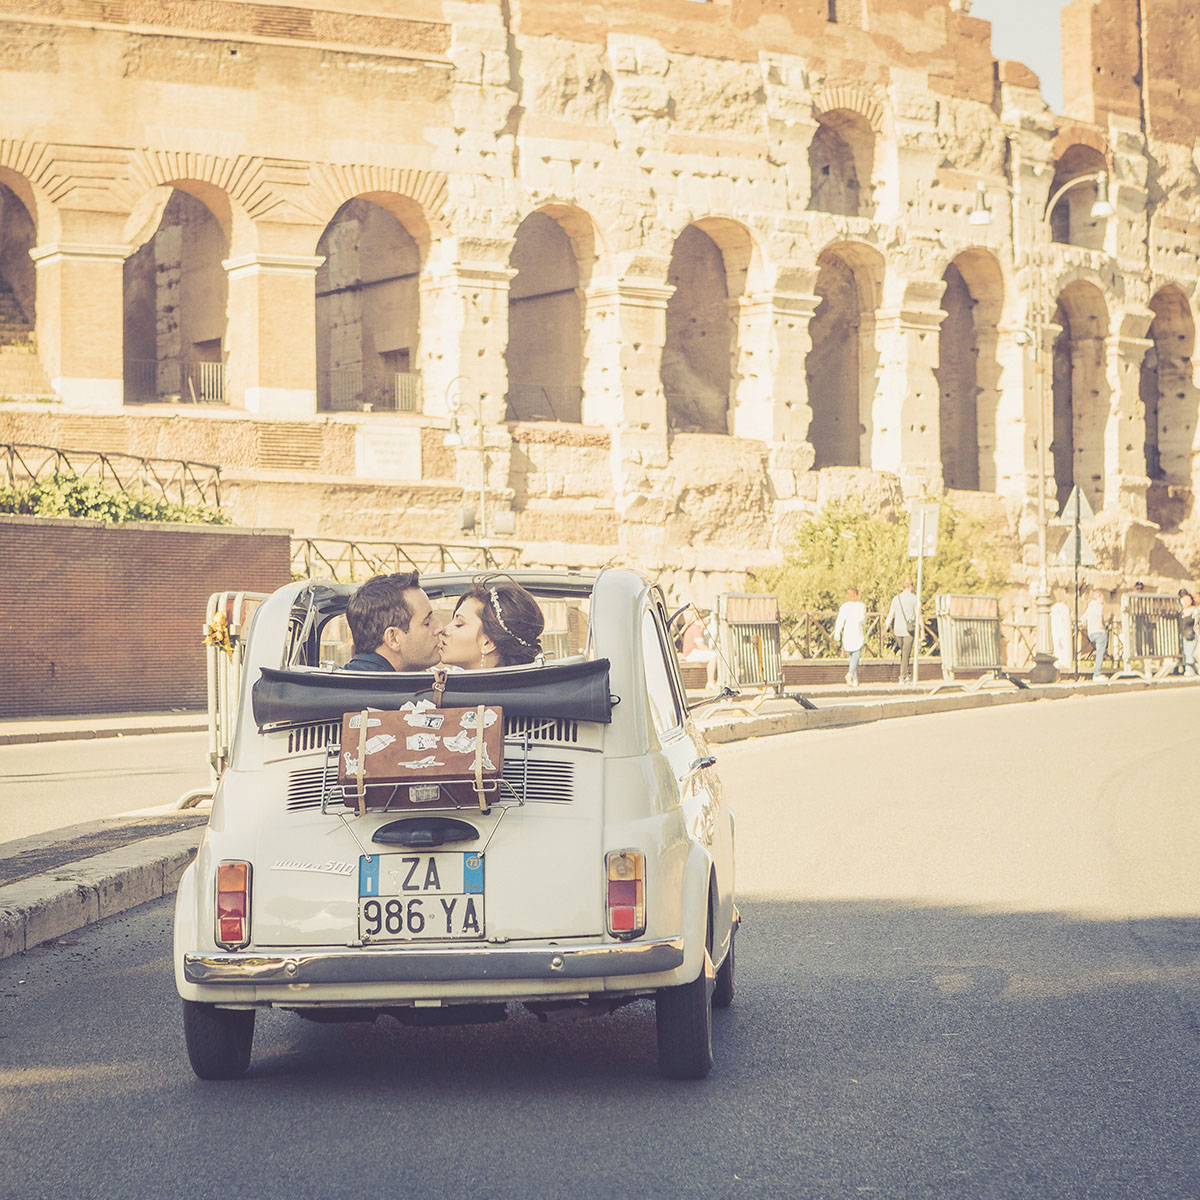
pixel 109 618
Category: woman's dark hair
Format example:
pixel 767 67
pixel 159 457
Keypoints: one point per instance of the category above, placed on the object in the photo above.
pixel 510 617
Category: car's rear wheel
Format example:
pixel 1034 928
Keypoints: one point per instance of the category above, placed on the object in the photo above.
pixel 218 1039
pixel 683 1017
pixel 723 989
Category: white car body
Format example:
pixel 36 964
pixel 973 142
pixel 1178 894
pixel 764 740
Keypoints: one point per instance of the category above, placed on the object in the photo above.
pixel 643 781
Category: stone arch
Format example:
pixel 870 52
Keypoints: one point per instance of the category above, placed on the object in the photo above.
pixel 968 372
pixel 176 293
pixel 544 355
pixel 1167 390
pixel 368 307
pixel 840 367
pixel 1071 220
pixel 714 262
pixel 417 199
pixel 841 160
pixel 1080 393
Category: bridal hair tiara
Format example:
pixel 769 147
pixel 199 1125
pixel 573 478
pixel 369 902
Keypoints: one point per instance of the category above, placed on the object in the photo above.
pixel 495 597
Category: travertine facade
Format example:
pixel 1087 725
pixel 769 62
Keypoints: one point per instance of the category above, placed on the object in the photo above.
pixel 696 267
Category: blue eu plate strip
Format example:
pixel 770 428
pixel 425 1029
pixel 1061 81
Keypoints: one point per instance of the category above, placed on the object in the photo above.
pixel 368 875
pixel 473 874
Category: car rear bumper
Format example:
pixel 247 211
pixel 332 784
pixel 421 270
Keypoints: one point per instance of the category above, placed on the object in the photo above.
pixel 436 965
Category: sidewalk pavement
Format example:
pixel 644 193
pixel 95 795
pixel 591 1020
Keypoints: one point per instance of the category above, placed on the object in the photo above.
pixel 55 883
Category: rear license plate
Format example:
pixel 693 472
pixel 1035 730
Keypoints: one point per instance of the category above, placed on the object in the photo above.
pixel 414 897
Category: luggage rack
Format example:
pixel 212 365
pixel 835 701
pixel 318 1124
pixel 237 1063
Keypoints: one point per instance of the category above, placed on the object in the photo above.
pixel 338 797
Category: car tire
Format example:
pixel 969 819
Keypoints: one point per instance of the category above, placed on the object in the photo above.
pixel 683 1017
pixel 724 989
pixel 218 1039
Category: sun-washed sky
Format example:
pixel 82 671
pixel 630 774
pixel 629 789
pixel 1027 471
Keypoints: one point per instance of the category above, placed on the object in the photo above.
pixel 1028 31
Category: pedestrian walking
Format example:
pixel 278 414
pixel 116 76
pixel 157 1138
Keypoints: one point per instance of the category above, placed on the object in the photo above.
pixel 902 622
pixel 1097 631
pixel 850 627
pixel 1188 630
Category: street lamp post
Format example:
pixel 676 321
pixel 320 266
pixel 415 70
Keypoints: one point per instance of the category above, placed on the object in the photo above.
pixel 454 439
pixel 1033 336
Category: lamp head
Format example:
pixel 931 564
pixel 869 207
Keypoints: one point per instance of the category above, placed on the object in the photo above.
pixel 453 438
pixel 980 214
pixel 1102 206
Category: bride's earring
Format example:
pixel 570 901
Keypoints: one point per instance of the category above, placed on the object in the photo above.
pixel 482 660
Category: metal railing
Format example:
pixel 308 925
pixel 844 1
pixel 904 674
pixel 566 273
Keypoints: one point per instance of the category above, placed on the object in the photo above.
pixel 544 402
pixel 347 389
pixel 149 380
pixel 175 479
pixel 348 561
pixel 810 635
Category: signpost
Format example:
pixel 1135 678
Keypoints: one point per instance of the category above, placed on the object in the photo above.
pixel 1076 552
pixel 922 544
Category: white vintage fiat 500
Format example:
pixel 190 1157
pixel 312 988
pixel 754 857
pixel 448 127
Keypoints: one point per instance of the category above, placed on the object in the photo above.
pixel 589 865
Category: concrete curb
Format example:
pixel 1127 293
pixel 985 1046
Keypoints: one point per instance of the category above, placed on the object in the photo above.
pixel 48 906
pixel 26 737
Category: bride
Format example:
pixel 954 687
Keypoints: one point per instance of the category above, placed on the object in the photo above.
pixel 496 624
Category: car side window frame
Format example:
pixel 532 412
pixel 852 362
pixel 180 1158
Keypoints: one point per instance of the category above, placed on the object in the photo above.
pixel 655 658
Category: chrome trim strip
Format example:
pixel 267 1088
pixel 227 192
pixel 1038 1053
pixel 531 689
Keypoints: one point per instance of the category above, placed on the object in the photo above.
pixel 412 965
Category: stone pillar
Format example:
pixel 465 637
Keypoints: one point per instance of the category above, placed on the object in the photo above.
pixel 1125 479
pixel 80 321
pixel 903 428
pixel 771 400
pixel 271 359
pixel 464 335
pixel 627 329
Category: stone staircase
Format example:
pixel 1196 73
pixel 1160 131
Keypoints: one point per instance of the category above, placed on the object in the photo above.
pixel 21 373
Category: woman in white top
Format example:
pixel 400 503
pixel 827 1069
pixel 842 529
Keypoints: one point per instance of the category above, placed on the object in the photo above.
pixel 850 627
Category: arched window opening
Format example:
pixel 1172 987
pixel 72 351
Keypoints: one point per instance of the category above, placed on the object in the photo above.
pixel 841 160
pixel 545 325
pixel 367 312
pixel 18 285
pixel 1167 391
pixel 1071 220
pixel 697 360
pixel 833 368
pixel 1080 395
pixel 175 317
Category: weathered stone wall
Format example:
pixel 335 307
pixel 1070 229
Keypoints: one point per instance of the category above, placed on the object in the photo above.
pixel 692 268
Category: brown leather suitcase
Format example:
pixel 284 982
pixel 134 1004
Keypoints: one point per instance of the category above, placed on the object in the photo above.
pixel 421 757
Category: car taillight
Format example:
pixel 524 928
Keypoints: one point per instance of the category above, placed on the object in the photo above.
pixel 626 874
pixel 233 905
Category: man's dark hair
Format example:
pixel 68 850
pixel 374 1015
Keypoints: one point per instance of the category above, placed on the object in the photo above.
pixel 378 605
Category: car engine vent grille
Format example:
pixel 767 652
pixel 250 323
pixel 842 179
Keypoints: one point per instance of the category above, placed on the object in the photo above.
pixel 530 780
pixel 540 729
pixel 313 737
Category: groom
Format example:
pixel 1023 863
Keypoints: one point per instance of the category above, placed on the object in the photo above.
pixel 393 625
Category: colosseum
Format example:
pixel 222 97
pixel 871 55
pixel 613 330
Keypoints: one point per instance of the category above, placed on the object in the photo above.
pixel 652 281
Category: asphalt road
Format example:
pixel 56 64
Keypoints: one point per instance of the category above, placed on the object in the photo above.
pixel 970 967
pixel 47 785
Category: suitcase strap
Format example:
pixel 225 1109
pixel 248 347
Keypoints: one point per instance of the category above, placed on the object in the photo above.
pixel 479 793
pixel 361 766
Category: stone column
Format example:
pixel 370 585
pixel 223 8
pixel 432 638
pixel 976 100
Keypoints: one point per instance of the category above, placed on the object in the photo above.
pixel 771 400
pixel 80 321
pixel 271 357
pixel 1125 479
pixel 903 428
pixel 464 336
pixel 627 329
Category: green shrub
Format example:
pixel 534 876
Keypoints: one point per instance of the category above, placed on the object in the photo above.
pixel 69 495
pixel 845 546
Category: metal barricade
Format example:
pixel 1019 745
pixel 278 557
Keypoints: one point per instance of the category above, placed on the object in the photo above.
pixel 226 623
pixel 1151 634
pixel 969 634
pixel 748 636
